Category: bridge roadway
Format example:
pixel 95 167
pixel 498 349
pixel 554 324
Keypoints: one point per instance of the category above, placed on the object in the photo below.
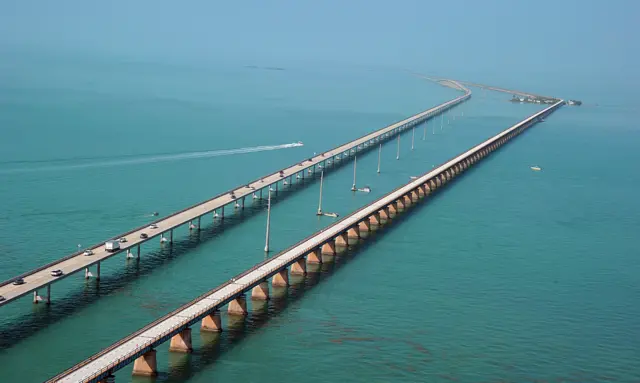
pixel 125 351
pixel 41 277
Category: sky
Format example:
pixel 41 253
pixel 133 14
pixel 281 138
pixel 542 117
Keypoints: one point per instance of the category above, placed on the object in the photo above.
pixel 462 37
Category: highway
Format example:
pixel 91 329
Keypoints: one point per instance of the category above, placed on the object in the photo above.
pixel 41 278
pixel 149 337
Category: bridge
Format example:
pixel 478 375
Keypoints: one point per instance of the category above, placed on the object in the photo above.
pixel 139 348
pixel 41 278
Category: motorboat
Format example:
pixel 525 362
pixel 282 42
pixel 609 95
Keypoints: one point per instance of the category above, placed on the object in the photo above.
pixel 536 168
pixel 299 143
pixel 333 215
pixel 163 239
pixel 285 182
pixel 365 189
pixel 154 214
pixel 413 177
pixel 254 196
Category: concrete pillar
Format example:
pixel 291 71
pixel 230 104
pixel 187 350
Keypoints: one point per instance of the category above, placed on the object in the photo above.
pixel 238 306
pixel 199 219
pixel 212 322
pixel 406 200
pixel 48 294
pixel 341 240
pixel 171 236
pixel 438 181
pixel 399 205
pixel 375 219
pixel 432 185
pixel 181 342
pixel 98 271
pixel 420 190
pixel 260 292
pixel 329 248
pixel 392 209
pixel 443 178
pixel 353 233
pixel 86 273
pixel 414 195
pixel 427 189
pixel 364 226
pixel 384 214
pixel 314 256
pixel 281 278
pixel 299 267
pixel 146 364
pixel 138 251
pixel 35 296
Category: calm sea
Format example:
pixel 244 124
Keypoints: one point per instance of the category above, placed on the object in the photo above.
pixel 507 276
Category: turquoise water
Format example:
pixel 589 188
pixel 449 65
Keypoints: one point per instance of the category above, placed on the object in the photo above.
pixel 509 275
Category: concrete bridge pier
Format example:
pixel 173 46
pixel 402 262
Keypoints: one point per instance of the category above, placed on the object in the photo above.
pixel 329 248
pixel 146 364
pixel 238 306
pixel 353 233
pixel 375 220
pixel 315 256
pixel 260 292
pixel 98 271
pixel 342 240
pixel 181 342
pixel 281 278
pixel 400 205
pixel 392 210
pixel 384 214
pixel 364 226
pixel 299 267
pixel 407 201
pixel 212 322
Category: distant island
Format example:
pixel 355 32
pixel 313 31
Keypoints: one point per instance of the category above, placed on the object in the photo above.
pixel 541 100
pixel 263 67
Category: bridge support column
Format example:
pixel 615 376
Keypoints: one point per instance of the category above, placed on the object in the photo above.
pixel 199 219
pixel 238 306
pixel 406 200
pixel 299 267
pixel 98 271
pixel 432 185
pixel 146 365
pixel 281 278
pixel 421 192
pixel 384 214
pixel 48 294
pixel 260 292
pixel 341 240
pixel 314 256
pixel 329 248
pixel 364 226
pixel 138 251
pixel 438 182
pixel 181 342
pixel 211 323
pixel 86 273
pixel 353 233
pixel 392 210
pixel 375 219
pixel 35 296
pixel 414 195
pixel 399 205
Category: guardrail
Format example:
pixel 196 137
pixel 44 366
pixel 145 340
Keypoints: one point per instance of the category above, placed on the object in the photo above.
pixel 53 263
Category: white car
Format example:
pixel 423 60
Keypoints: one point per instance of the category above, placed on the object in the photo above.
pixel 88 252
pixel 122 240
pixel 56 273
pixel 153 226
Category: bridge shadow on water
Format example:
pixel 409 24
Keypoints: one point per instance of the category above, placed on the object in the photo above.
pixel 236 329
pixel 24 325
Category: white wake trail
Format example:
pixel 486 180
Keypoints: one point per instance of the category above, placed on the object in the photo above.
pixel 154 158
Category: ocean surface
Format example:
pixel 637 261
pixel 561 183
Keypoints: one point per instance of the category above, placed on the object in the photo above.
pixel 508 275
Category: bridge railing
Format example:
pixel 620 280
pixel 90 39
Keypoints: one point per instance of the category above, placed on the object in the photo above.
pixel 77 253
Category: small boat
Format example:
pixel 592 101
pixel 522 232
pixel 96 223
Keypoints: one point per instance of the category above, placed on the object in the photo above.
pixel 154 214
pixel 536 168
pixel 413 177
pixel 237 205
pixel 309 171
pixel 285 182
pixel 163 240
pixel 255 196
pixel 334 215
pixel 298 176
pixel 365 189
pixel 299 143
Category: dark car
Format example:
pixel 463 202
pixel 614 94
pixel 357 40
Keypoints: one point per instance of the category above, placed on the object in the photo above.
pixel 144 235
pixel 18 281
pixel 1 298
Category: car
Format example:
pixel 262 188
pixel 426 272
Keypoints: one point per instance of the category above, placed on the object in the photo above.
pixel 88 252
pixel 144 235
pixel 153 226
pixel 56 273
pixel 18 281
pixel 1 298
pixel 122 240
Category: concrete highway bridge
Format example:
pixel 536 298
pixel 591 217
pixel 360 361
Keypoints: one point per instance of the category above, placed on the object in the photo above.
pixel 140 347
pixel 41 279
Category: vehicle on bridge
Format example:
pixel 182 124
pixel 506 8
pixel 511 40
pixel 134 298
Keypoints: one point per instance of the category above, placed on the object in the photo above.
pixel 56 273
pixel 112 246
pixel 88 252
pixel 18 281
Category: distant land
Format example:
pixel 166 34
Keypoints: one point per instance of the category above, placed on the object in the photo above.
pixel 263 67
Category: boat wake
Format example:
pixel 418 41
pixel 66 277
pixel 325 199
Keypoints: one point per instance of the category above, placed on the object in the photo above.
pixel 150 159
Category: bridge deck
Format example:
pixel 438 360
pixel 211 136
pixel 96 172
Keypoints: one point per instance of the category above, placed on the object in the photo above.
pixel 131 347
pixel 41 277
